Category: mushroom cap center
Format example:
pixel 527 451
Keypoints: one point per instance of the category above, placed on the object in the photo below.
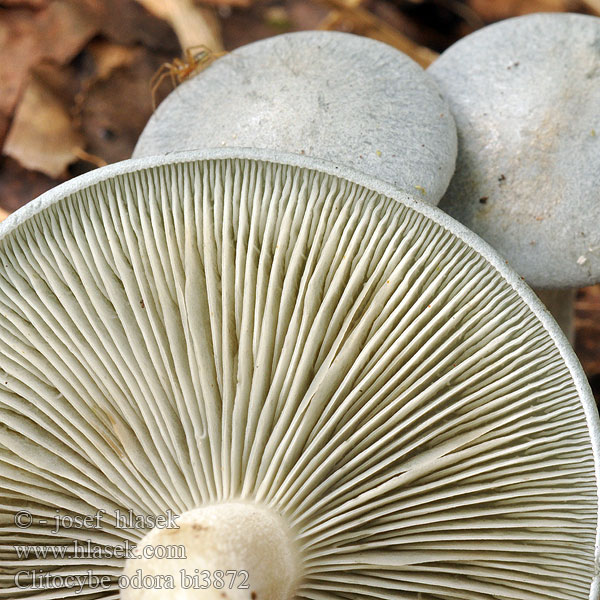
pixel 229 551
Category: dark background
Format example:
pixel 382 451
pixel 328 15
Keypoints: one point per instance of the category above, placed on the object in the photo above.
pixel 75 76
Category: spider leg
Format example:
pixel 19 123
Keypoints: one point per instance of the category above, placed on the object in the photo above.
pixel 160 70
pixel 156 81
pixel 203 50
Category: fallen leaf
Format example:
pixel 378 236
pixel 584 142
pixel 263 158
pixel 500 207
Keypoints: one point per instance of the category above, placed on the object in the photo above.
pixel 4 121
pixel 362 22
pixel 115 109
pixel 27 37
pixel 592 5
pixel 101 58
pixel 42 136
pixel 18 185
pixel 587 338
pixel 492 10
pixel 241 27
pixel 226 3
pixel 26 3
pixel 128 22
pixel 108 57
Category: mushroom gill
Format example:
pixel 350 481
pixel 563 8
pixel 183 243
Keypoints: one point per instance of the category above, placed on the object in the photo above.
pixel 229 336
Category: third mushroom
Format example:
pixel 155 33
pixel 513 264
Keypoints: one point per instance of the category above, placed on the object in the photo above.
pixel 525 95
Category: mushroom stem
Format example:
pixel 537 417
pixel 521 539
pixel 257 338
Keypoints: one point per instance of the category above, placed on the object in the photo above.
pixel 561 304
pixel 229 551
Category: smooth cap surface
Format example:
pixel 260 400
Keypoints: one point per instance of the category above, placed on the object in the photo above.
pixel 335 96
pixel 525 95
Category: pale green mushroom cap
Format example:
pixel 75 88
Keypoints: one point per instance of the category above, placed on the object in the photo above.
pixel 313 369
pixel 525 94
pixel 347 99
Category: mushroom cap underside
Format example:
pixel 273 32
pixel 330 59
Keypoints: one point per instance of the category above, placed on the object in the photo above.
pixel 235 329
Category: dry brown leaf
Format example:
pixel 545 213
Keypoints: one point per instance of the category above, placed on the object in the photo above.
pixel 128 23
pixel 241 27
pixel 108 57
pixel 4 121
pixel 104 58
pixel 587 323
pixel 592 5
pixel 27 37
pixel 42 136
pixel 225 3
pixel 360 21
pixel 3 214
pixel 26 3
pixel 194 25
pixel 18 185
pixel 116 108
pixel 492 10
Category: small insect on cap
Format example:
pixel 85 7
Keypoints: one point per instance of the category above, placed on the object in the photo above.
pixel 330 95
pixel 338 388
pixel 525 94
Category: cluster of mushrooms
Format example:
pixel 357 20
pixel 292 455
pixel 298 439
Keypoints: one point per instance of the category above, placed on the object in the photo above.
pixel 256 362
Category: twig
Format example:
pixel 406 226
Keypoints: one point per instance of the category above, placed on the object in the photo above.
pixel 81 154
pixel 194 25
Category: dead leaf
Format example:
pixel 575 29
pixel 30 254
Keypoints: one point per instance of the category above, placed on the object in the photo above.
pixel 18 185
pixel 3 128
pixel 26 3
pixel 115 109
pixel 108 57
pixel 42 137
pixel 242 27
pixel 194 25
pixel 128 23
pixel 226 3
pixel 587 338
pixel 3 214
pixel 27 37
pixel 103 58
pixel 362 22
pixel 592 5
pixel 492 10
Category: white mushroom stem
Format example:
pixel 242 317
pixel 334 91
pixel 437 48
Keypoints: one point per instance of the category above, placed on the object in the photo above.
pixel 231 551
pixel 561 304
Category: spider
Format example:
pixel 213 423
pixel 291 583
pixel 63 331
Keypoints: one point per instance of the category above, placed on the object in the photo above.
pixel 195 59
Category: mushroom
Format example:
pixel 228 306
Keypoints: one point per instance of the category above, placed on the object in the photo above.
pixel 290 371
pixel 525 94
pixel 331 95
